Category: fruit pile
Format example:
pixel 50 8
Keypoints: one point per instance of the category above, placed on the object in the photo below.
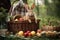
pixel 20 19
pixel 28 33
pixel 39 33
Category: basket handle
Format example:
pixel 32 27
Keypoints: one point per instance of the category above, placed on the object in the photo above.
pixel 11 7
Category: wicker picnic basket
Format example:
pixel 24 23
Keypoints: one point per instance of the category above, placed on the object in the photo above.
pixel 22 26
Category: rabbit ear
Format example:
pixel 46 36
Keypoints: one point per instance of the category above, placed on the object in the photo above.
pixel 33 6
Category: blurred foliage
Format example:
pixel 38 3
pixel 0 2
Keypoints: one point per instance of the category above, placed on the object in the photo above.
pixel 49 20
pixel 3 16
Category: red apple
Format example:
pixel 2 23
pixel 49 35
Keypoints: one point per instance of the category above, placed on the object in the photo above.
pixel 39 31
pixel 21 19
pixel 28 31
pixel 26 34
pixel 29 34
